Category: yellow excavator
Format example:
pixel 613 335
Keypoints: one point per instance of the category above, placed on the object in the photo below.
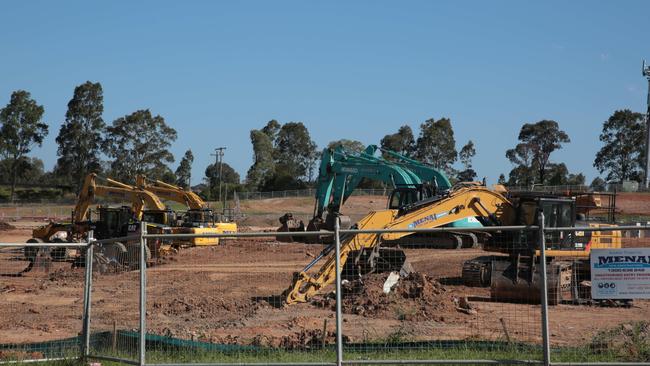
pixel 89 192
pixel 113 222
pixel 365 253
pixel 199 218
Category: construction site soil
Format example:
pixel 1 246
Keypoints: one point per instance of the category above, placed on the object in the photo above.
pixel 230 294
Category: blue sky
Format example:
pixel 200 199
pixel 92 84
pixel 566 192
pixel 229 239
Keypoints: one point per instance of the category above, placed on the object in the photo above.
pixel 355 70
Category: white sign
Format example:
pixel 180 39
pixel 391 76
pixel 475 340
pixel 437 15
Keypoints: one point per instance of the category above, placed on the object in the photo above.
pixel 620 273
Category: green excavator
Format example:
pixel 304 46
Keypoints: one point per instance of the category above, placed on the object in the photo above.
pixel 341 172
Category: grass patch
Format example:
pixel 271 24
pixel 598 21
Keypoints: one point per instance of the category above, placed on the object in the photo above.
pixel 502 354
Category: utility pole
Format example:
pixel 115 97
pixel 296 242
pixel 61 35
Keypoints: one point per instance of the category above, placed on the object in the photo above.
pixel 218 154
pixel 645 70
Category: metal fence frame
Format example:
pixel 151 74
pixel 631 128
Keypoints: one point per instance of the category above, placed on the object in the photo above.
pixel 340 359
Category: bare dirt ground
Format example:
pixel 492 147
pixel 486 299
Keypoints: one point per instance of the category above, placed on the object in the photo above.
pixel 264 214
pixel 633 203
pixel 226 294
pixel 229 293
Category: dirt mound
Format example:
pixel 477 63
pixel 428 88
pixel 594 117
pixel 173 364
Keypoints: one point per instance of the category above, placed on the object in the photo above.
pixel 630 341
pixel 6 226
pixel 414 297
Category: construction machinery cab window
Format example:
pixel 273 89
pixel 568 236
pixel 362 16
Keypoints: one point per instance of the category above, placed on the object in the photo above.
pixel 157 217
pixel 559 213
pixel 112 221
pixel 401 197
pixel 199 217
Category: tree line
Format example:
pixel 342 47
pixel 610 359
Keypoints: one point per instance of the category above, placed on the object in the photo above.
pixel 284 155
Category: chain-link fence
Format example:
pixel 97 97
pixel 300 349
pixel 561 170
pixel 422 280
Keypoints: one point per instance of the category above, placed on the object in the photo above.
pixel 310 192
pixel 35 212
pixel 42 293
pixel 447 295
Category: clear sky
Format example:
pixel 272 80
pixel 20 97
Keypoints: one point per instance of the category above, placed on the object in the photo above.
pixel 347 69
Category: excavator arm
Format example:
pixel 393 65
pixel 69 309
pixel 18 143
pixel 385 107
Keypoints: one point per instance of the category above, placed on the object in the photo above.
pixel 90 190
pixel 173 193
pixel 463 202
pixel 341 172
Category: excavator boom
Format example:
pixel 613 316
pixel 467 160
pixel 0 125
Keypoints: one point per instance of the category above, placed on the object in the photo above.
pixel 464 202
pixel 90 190
pixel 173 193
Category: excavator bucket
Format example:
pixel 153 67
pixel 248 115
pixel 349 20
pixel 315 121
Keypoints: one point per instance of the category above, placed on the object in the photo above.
pixel 290 224
pixel 39 257
pixel 521 283
pixel 40 260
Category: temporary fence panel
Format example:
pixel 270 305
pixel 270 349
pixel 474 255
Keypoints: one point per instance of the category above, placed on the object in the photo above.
pixel 114 306
pixel 614 330
pixel 223 303
pixel 41 302
pixel 473 296
pixel 444 309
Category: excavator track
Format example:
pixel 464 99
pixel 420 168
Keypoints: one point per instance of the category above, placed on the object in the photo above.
pixel 477 272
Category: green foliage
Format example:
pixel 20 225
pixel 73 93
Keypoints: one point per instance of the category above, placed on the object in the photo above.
pixel 263 163
pixel 401 142
pixel 271 129
pixel 30 170
pixel 466 154
pixel 598 185
pixel 558 174
pixel 295 152
pixel 184 170
pixel 537 141
pixel 284 157
pixel 166 175
pixel 622 155
pixel 627 342
pixel 436 144
pixel 138 144
pixel 20 129
pixel 230 179
pixel 502 179
pixel 347 145
pixel 523 172
pixel 80 135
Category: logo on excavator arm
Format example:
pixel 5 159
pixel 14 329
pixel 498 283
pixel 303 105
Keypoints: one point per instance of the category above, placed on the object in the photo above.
pixel 434 217
pixel 428 218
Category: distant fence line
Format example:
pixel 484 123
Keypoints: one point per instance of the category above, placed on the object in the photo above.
pixel 309 192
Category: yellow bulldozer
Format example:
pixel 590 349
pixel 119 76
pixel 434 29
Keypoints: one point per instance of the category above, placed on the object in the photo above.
pixel 198 219
pixel 365 253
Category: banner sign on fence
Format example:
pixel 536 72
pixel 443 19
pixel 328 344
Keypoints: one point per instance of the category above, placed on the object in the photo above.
pixel 620 273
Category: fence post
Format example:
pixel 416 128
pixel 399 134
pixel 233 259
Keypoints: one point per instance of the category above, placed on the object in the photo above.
pixel 339 315
pixel 546 345
pixel 87 296
pixel 143 292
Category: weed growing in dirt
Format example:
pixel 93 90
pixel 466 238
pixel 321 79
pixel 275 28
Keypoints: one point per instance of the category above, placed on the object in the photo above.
pixel 628 341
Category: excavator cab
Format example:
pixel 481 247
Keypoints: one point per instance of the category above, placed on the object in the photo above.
pixel 404 196
pixel 558 212
pixel 114 221
pixel 199 217
pixel 161 217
